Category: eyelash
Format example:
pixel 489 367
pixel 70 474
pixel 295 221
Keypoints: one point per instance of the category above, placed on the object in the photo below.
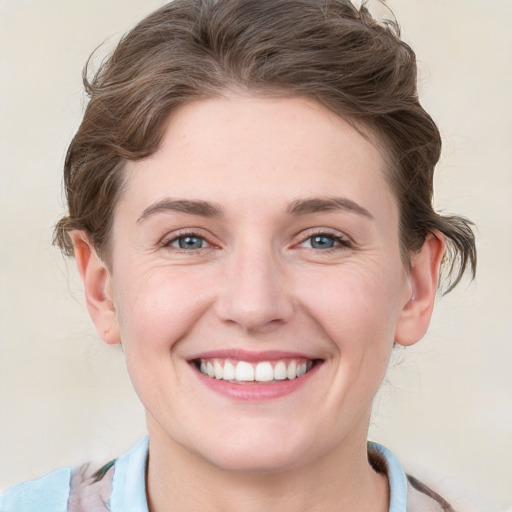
pixel 342 241
pixel 167 243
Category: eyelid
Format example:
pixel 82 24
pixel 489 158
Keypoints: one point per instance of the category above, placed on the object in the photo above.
pixel 169 238
pixel 343 240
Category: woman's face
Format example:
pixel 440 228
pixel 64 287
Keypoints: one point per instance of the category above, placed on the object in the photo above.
pixel 260 242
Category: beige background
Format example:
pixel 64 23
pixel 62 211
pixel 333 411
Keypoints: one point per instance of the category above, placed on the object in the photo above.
pixel 64 397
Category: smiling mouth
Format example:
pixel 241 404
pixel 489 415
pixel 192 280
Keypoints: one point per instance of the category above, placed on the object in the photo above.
pixel 244 372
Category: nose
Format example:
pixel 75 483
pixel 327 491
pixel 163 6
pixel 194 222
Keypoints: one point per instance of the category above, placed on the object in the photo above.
pixel 257 296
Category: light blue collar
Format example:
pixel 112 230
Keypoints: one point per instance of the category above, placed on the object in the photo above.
pixel 396 477
pixel 129 484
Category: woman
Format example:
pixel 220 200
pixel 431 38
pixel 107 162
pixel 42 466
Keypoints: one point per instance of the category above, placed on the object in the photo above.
pixel 249 200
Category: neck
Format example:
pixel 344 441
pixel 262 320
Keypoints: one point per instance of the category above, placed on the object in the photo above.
pixel 181 481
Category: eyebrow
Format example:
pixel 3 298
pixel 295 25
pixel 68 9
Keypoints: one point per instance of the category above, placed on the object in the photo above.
pixel 298 207
pixel 202 208
pixel 326 204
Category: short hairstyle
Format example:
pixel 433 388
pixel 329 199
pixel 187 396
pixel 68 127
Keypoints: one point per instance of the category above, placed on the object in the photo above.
pixel 326 50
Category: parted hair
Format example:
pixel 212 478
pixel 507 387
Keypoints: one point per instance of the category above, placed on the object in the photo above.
pixel 326 50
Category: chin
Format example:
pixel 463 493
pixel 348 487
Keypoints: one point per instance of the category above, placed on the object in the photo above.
pixel 258 450
pixel 254 459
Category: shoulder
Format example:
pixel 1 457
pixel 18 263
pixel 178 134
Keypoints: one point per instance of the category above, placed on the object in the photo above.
pixel 118 486
pixel 407 492
pixel 450 493
pixel 421 498
pixel 82 489
pixel 418 490
pixel 49 493
pixel 91 488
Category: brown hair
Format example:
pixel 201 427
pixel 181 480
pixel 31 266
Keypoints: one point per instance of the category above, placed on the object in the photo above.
pixel 322 49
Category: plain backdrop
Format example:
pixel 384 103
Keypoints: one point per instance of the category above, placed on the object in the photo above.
pixel 65 397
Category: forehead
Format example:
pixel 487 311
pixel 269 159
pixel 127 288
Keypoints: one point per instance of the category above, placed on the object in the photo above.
pixel 261 150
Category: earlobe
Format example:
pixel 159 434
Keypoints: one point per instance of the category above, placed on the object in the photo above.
pixel 423 278
pixel 97 281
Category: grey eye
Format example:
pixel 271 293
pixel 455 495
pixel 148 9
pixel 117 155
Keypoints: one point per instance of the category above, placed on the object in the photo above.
pixel 322 242
pixel 188 242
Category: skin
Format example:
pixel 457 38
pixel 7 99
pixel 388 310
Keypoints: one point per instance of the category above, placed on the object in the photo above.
pixel 256 281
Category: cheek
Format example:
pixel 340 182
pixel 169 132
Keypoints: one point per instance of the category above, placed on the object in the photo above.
pixel 355 302
pixel 157 308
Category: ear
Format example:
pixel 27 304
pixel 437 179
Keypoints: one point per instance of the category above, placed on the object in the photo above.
pixel 423 279
pixel 98 288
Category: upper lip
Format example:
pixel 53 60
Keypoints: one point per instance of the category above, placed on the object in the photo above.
pixel 250 355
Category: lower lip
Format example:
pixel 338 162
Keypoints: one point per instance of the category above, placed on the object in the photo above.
pixel 254 391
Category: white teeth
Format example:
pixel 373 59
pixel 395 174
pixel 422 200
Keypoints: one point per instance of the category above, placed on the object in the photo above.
pixel 280 371
pixel 291 373
pixel 264 371
pixel 244 372
pixel 219 371
pixel 229 371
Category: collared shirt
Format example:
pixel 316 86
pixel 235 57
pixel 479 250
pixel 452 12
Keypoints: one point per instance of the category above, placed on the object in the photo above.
pixel 119 486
